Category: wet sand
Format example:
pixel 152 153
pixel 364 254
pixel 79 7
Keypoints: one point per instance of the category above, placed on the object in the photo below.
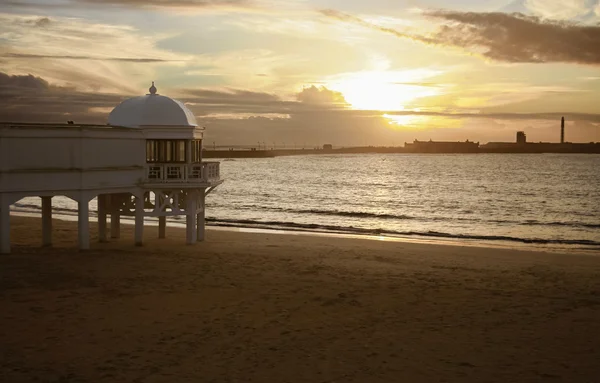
pixel 245 307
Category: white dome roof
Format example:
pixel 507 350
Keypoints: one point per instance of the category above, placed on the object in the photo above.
pixel 151 110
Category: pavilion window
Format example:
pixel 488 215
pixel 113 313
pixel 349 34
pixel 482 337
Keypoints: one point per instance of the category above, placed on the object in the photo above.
pixel 165 151
pixel 196 151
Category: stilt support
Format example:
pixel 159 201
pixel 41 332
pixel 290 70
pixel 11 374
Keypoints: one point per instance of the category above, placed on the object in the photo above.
pixel 83 222
pixel 102 199
pixel 46 221
pixel 4 226
pixel 115 217
pixel 139 221
pixel 162 227
pixel 190 224
pixel 200 219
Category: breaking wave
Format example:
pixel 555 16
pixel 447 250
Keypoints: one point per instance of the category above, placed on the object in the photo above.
pixel 354 230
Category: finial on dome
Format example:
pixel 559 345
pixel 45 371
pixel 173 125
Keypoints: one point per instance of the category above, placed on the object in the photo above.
pixel 152 88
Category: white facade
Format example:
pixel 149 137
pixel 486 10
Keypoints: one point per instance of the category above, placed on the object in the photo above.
pixel 146 163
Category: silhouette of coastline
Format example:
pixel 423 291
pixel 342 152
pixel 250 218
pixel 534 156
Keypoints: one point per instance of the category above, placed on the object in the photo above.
pixel 431 147
pixel 519 146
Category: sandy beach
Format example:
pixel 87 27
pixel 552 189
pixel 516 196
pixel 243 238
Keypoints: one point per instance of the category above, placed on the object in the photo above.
pixel 246 307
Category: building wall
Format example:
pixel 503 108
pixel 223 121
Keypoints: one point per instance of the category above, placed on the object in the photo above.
pixel 442 147
pixel 42 158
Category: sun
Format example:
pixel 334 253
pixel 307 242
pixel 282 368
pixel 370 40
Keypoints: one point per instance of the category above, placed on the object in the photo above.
pixel 382 90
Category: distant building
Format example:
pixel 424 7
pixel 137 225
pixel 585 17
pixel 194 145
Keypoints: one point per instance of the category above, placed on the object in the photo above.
pixel 562 130
pixel 327 147
pixel 442 146
pixel 522 146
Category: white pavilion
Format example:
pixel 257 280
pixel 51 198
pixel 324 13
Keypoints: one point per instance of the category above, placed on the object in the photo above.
pixel 146 162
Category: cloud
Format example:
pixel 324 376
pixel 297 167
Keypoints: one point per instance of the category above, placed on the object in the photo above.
pixel 22 82
pixel 514 38
pixel 321 95
pixel 231 96
pixel 232 101
pixel 42 22
pixel 71 57
pixel 519 38
pixel 562 9
pixel 196 4
pixel 174 4
pixel 28 98
pixel 589 117
pixel 332 13
pixel 76 52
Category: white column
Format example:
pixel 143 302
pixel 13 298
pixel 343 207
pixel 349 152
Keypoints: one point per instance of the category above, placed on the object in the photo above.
pixel 102 217
pixel 139 221
pixel 188 158
pixel 162 227
pixel 200 221
pixel 190 210
pixel 4 225
pixel 188 152
pixel 115 217
pixel 201 149
pixel 46 221
pixel 83 223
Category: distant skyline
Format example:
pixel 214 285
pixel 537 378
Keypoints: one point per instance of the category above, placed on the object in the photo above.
pixel 347 72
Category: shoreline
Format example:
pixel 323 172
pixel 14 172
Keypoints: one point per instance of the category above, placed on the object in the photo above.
pixel 421 239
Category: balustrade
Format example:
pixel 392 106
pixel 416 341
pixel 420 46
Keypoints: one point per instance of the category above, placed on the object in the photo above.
pixel 174 173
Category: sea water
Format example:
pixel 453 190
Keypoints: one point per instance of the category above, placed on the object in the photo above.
pixel 549 200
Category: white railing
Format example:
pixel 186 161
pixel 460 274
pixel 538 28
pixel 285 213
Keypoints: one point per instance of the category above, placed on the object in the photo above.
pixel 211 171
pixel 177 173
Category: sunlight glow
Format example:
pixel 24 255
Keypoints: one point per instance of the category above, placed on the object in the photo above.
pixel 384 90
pixel 408 121
pixel 404 121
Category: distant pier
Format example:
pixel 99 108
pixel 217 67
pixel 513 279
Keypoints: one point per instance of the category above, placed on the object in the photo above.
pixel 506 148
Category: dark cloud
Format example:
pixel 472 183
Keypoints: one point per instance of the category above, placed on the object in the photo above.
pixel 520 38
pixel 68 57
pixel 205 101
pixel 504 37
pixel 310 100
pixel 26 98
pixel 42 22
pixel 231 96
pixel 8 82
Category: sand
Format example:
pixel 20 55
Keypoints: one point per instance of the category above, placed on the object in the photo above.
pixel 245 307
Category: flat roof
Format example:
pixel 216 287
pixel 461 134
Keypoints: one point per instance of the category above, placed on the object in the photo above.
pixel 44 125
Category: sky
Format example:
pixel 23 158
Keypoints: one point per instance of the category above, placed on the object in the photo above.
pixel 310 72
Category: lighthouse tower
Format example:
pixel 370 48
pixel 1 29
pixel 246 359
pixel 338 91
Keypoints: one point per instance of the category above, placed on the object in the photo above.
pixel 562 130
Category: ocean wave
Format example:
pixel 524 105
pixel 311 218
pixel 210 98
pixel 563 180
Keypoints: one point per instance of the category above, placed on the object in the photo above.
pixel 354 230
pixel 354 214
pixel 570 224
pixel 363 214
